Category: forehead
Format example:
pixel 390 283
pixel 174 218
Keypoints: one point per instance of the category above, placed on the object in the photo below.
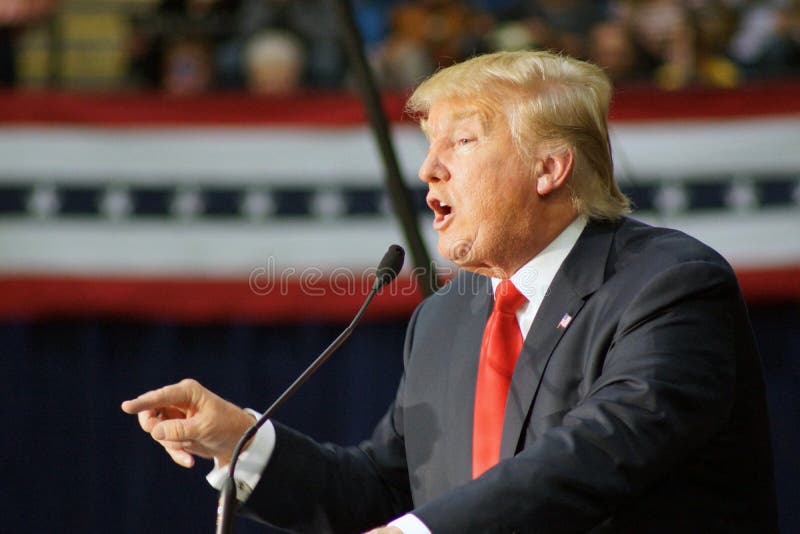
pixel 445 115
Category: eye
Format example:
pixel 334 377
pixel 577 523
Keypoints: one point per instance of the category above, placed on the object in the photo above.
pixel 465 141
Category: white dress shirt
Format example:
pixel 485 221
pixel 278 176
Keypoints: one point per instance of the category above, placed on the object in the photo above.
pixel 532 279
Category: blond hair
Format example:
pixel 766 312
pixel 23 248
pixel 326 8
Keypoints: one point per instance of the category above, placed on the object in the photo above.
pixel 548 100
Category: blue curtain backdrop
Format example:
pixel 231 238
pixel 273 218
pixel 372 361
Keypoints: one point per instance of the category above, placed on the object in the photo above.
pixel 73 462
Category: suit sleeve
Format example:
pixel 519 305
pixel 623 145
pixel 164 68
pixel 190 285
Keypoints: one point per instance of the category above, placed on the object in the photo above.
pixel 320 488
pixel 666 385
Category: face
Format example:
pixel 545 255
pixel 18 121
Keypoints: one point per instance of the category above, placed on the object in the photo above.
pixel 482 194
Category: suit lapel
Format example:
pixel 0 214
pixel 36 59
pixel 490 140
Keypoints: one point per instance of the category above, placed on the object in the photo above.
pixel 461 395
pixel 579 276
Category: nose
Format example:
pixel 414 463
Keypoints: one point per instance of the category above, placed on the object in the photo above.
pixel 432 169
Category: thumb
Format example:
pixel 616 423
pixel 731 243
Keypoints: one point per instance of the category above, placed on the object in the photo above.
pixel 174 430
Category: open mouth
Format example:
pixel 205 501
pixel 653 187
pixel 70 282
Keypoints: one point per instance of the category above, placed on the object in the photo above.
pixel 442 212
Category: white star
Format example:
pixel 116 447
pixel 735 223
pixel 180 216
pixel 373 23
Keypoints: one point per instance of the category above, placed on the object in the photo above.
pixel 187 204
pixel 44 201
pixel 328 203
pixel 796 193
pixel 742 196
pixel 671 198
pixel 116 204
pixel 257 205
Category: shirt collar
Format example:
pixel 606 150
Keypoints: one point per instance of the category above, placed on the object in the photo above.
pixel 533 278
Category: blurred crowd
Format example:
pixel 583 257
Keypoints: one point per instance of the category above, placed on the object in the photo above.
pixel 15 14
pixel 277 46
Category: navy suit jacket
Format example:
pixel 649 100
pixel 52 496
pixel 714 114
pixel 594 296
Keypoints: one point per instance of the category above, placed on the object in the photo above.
pixel 646 413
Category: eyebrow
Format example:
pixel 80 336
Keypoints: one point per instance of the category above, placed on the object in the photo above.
pixel 465 114
pixel 458 116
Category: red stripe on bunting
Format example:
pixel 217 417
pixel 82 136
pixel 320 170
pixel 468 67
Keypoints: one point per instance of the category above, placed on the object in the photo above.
pixel 203 300
pixel 197 300
pixel 219 109
pixel 775 284
pixel 631 103
pixel 752 100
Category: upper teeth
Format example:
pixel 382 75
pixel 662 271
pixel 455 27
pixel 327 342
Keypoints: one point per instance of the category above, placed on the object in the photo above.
pixel 442 204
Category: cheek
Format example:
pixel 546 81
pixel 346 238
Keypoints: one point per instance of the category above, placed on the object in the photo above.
pixel 489 199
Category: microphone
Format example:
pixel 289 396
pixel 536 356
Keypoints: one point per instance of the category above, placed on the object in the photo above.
pixel 387 271
pixel 389 267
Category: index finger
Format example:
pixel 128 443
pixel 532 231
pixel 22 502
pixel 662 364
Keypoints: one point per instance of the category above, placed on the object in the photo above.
pixel 179 394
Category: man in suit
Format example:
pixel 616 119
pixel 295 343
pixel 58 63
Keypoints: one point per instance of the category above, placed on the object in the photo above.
pixel 583 371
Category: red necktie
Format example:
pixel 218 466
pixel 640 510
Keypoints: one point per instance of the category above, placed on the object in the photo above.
pixel 502 343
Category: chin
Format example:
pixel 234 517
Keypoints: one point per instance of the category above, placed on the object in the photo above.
pixel 459 251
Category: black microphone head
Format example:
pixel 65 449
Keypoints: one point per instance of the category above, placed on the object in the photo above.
pixel 390 266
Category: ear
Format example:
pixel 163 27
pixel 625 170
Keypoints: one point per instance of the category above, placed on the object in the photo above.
pixel 552 171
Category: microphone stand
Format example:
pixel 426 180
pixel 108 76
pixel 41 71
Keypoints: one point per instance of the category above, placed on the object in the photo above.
pixel 402 201
pixel 387 271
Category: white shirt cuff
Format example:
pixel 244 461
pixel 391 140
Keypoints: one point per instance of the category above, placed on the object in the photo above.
pixel 410 524
pixel 251 462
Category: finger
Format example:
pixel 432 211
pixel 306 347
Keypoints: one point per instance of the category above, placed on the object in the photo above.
pixel 175 430
pixel 184 445
pixel 148 419
pixel 175 395
pixel 170 412
pixel 181 394
pixel 180 457
pixel 190 447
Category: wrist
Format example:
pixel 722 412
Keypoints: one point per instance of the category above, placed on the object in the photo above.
pixel 244 421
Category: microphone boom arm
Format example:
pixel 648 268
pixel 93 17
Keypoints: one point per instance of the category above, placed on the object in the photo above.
pixel 387 271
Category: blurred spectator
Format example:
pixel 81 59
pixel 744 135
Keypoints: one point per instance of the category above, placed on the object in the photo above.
pixel 187 67
pixel 611 46
pixel 661 30
pixel 683 44
pixel 15 14
pixel 768 37
pixel 713 25
pixel 243 39
pixel 426 34
pixel 372 18
pixel 273 63
pixel 311 23
pixel 174 47
pixel 563 25
pixel 21 11
pixel 511 35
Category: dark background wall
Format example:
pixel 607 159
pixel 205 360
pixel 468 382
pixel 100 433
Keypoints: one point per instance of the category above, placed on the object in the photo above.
pixel 74 462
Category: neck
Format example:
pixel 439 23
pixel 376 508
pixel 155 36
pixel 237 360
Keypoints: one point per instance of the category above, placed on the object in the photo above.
pixel 520 252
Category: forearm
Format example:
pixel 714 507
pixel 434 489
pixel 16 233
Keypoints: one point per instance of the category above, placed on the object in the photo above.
pixel 309 487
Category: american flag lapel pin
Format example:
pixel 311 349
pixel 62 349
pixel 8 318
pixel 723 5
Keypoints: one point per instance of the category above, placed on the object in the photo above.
pixel 564 323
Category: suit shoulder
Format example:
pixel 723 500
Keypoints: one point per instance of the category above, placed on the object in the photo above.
pixel 640 244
